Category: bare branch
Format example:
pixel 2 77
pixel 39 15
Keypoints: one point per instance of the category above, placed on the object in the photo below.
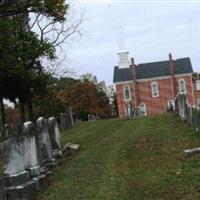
pixel 57 32
pixel 59 68
pixel 35 21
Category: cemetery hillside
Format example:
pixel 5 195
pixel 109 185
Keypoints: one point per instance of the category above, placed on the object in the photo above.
pixel 81 118
pixel 122 159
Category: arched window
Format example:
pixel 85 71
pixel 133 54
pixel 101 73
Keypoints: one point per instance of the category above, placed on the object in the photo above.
pixel 182 87
pixel 142 109
pixel 127 93
pixel 154 89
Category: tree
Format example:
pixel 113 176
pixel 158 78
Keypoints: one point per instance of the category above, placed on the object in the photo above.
pixel 50 8
pixel 20 67
pixel 22 49
pixel 86 97
pixel 51 103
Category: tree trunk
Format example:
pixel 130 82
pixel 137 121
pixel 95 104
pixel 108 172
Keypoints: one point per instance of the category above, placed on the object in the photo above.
pixel 22 112
pixel 30 109
pixel 2 113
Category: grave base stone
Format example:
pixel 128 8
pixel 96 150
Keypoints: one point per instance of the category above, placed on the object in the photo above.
pixel 21 192
pixel 189 152
pixel 51 164
pixel 16 179
pixel 34 171
pixel 2 190
pixel 72 146
pixel 41 182
pixel 57 154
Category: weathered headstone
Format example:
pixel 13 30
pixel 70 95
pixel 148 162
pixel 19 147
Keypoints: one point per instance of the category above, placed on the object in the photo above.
pixel 31 160
pixel 45 142
pixel 33 157
pixel 195 119
pixel 54 133
pixel 16 178
pixel 13 155
pixel 2 190
pixel 190 110
pixel 71 116
pixel 66 119
pixel 182 106
pixel 6 130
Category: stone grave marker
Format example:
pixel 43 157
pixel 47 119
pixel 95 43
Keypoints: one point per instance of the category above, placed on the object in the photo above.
pixel 31 160
pixel 16 179
pixel 54 133
pixel 45 142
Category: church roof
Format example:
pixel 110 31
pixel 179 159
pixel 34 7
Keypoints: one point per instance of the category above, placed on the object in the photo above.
pixel 153 69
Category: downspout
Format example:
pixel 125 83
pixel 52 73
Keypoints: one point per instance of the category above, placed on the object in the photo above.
pixel 171 69
pixel 133 70
pixel 194 103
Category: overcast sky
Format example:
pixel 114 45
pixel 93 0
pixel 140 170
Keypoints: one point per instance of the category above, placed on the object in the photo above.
pixel 150 30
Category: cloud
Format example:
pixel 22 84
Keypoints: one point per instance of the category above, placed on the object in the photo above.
pixel 151 31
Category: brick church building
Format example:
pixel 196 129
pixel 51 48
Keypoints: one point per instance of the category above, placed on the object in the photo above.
pixel 151 88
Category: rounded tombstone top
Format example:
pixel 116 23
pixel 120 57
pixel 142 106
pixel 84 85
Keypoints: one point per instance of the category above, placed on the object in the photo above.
pixel 52 122
pixel 6 125
pixel 40 122
pixel 51 118
pixel 28 128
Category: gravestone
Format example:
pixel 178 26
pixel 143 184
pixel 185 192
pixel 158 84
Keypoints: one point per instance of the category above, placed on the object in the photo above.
pixel 71 116
pixel 63 120
pixel 12 149
pixel 45 142
pixel 16 179
pixel 2 190
pixel 189 115
pixel 6 130
pixel 31 160
pixel 33 157
pixel 54 133
pixel 195 119
pixel 66 119
pixel 182 106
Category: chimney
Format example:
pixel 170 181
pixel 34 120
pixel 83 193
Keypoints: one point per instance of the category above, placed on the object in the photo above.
pixel 135 85
pixel 173 81
pixel 133 69
pixel 171 65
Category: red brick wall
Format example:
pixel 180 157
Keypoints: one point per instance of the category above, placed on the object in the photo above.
pixel 158 104
pixel 188 82
pixel 120 98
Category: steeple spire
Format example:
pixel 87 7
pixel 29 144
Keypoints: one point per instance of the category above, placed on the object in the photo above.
pixel 122 46
pixel 123 54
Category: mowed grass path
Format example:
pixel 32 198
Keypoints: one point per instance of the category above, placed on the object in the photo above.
pixel 129 160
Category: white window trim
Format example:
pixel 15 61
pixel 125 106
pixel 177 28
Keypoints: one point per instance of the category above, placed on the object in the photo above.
pixel 145 113
pixel 179 81
pixel 154 83
pixel 171 102
pixel 125 93
pixel 198 101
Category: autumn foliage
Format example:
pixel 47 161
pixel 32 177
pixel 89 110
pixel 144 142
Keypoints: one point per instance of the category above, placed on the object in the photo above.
pixel 84 96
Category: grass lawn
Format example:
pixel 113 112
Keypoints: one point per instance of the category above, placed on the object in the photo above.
pixel 129 160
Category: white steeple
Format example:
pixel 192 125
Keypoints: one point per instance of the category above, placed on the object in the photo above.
pixel 123 54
